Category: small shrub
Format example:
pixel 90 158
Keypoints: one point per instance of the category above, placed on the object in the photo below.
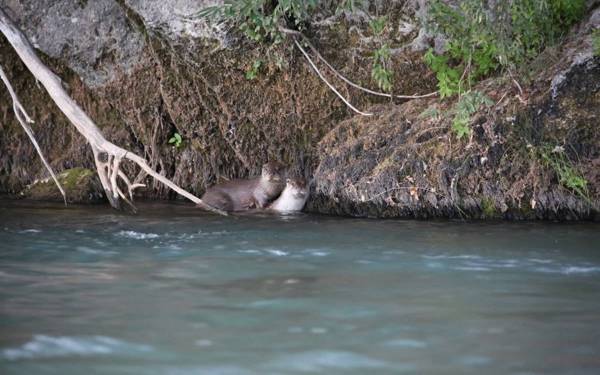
pixel 484 36
pixel 568 176
pixel 380 73
pixel 252 73
pixel 468 104
pixel 260 20
pixel 596 42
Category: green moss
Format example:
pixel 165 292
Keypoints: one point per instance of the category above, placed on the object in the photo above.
pixel 71 178
pixel 488 208
pixel 79 185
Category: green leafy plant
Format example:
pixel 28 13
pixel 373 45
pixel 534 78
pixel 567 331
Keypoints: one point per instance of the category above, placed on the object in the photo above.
pixel 468 104
pixel 484 36
pixel 568 176
pixel 378 25
pixel 349 6
pixel 596 42
pixel 448 78
pixel 380 73
pixel 252 73
pixel 176 140
pixel 261 20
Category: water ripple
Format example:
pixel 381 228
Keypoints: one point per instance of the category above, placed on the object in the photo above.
pixel 43 346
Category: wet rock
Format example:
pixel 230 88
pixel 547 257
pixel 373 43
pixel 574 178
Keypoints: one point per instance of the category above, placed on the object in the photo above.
pixel 93 38
pixel 174 18
pixel 81 186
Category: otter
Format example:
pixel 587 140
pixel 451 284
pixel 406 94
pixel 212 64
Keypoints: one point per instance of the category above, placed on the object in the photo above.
pixel 293 197
pixel 241 195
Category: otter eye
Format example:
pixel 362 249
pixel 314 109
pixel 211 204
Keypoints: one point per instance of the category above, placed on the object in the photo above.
pixel 287 180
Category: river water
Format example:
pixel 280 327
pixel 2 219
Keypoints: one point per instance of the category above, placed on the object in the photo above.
pixel 175 291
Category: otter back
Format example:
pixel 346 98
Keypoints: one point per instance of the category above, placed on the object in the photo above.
pixel 235 195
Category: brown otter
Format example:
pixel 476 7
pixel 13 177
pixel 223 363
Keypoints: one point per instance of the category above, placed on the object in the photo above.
pixel 241 195
pixel 293 197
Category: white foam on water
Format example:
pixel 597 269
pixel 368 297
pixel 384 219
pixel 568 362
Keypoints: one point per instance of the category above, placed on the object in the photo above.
pixel 570 270
pixel 445 256
pixel 279 253
pixel 317 252
pixel 137 235
pixel 321 361
pixel 43 346
pixel 318 330
pixel 249 251
pixel 541 261
pixel 90 251
pixel 30 231
pixel 203 343
pixel 212 370
pixel 576 270
pixel 406 343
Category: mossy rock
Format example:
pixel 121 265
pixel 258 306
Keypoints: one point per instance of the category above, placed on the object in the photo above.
pixel 81 185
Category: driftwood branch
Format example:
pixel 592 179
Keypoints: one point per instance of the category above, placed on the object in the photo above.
pixel 25 120
pixel 107 155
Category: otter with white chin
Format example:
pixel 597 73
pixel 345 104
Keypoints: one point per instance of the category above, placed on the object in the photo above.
pixel 293 197
pixel 242 195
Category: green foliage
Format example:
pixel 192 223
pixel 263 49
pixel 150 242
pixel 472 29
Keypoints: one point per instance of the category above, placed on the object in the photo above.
pixel 176 140
pixel 596 42
pixel 378 25
pixel 380 73
pixel 349 6
pixel 468 104
pixel 431 112
pixel 484 36
pixel 252 73
pixel 261 20
pixel 448 78
pixel 568 176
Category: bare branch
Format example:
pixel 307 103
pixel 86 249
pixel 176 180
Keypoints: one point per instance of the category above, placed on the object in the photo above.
pixel 25 120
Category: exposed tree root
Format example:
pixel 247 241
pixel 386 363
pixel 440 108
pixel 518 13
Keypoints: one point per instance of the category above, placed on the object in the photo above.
pixel 296 34
pixel 327 82
pixel 107 156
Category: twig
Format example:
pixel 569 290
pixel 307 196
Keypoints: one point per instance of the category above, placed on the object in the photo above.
pixel 327 82
pixel 25 120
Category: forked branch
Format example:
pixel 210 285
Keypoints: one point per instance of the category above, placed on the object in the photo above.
pixel 107 155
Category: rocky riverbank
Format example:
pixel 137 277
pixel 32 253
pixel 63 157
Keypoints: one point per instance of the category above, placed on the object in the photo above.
pixel 144 72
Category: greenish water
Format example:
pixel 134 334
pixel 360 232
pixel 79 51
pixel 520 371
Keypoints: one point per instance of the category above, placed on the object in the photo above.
pixel 176 291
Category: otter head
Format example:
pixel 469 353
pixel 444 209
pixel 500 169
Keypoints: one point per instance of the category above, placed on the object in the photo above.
pixel 298 186
pixel 273 172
